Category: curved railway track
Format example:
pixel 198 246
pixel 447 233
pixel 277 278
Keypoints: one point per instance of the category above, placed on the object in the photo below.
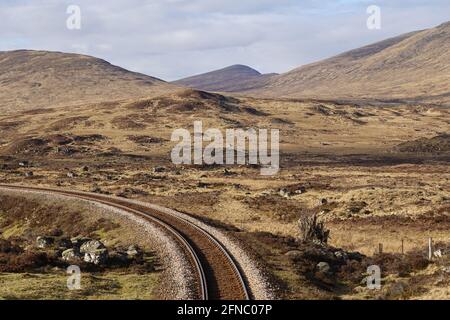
pixel 217 275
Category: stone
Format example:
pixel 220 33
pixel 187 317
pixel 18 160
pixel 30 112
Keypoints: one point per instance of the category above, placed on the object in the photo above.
pixel 71 255
pixel 323 201
pixel 323 267
pixel 342 255
pixel 29 174
pixel 438 254
pixel 99 256
pixel 44 242
pixel 24 164
pixel 159 169
pixel 71 175
pixel 91 246
pixel 300 190
pixel 285 193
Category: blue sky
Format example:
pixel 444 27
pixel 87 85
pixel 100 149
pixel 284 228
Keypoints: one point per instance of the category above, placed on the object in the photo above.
pixel 171 39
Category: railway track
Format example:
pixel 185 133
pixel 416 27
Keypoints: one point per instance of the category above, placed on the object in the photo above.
pixel 218 276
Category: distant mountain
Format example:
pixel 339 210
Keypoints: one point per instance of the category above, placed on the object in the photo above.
pixel 413 66
pixel 230 79
pixel 39 79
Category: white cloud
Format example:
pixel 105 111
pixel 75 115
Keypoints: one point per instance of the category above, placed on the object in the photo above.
pixel 175 38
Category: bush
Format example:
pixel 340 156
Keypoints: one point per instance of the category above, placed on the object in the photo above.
pixel 312 230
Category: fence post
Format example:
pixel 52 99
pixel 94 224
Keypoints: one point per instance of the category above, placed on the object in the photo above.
pixel 430 248
pixel 403 246
pixel 380 248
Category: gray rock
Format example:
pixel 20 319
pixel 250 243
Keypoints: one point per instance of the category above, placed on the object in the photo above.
pixel 71 255
pixel 285 193
pixel 97 257
pixel 71 174
pixel 91 246
pixel 44 242
pixel 323 267
pixel 159 169
pixel 342 255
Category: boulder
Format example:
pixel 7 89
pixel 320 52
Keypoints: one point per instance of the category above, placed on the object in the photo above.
pixel 91 246
pixel 285 193
pixel 341 255
pixel 99 256
pixel 323 267
pixel 71 255
pixel 44 242
pixel 159 169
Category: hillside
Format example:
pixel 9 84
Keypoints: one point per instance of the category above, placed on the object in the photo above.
pixel 40 79
pixel 414 66
pixel 230 79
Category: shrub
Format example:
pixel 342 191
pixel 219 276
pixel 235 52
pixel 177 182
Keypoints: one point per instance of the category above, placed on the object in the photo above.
pixel 311 230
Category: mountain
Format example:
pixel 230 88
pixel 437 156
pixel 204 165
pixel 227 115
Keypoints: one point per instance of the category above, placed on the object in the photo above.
pixel 413 66
pixel 40 79
pixel 230 79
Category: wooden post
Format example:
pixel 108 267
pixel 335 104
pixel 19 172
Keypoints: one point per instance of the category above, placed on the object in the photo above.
pixel 430 248
pixel 380 248
pixel 403 246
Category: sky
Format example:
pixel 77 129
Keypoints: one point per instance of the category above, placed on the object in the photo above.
pixel 172 39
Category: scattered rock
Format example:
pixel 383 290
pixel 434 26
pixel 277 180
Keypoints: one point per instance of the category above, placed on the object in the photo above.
pixel 71 175
pixel 97 257
pixel 24 164
pixel 159 169
pixel 323 267
pixel 29 174
pixel 341 255
pixel 71 255
pixel 44 242
pixel 85 168
pixel 91 246
pixel 323 201
pixel 285 193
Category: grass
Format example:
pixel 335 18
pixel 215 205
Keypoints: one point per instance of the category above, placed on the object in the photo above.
pixel 53 286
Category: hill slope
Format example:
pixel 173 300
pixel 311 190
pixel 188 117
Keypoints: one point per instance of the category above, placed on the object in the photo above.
pixel 230 79
pixel 412 66
pixel 39 79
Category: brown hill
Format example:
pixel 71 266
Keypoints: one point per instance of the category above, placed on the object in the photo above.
pixel 230 79
pixel 414 66
pixel 40 79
